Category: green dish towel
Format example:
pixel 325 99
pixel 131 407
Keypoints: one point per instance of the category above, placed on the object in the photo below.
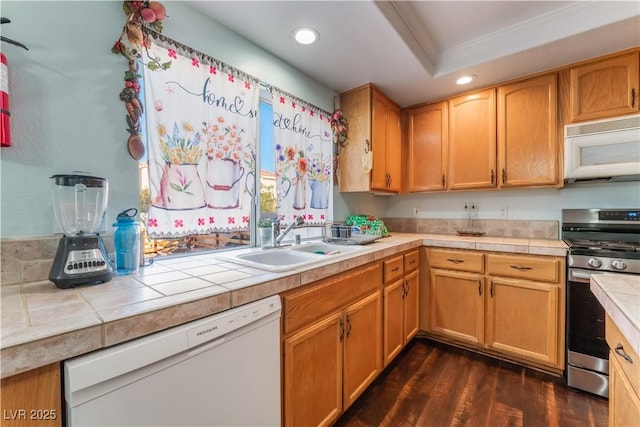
pixel 367 224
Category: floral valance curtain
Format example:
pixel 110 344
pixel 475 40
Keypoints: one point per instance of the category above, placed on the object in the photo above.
pixel 303 144
pixel 202 126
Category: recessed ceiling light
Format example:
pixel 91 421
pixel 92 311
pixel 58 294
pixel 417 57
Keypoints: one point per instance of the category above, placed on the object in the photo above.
pixel 305 35
pixel 466 79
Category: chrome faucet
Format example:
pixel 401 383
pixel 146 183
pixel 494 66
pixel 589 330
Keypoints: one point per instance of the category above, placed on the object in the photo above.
pixel 275 228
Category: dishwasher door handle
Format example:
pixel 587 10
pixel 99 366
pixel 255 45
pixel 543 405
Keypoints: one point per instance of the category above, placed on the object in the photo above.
pixel 207 346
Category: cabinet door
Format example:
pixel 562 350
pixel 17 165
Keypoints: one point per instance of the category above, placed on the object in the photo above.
pixel 34 392
pixel 393 330
pixel 356 106
pixel 472 140
pixel 624 404
pixel 428 143
pixel 394 148
pixel 605 88
pixel 456 305
pixel 379 142
pixel 411 299
pixel 362 346
pixel 522 319
pixel 527 133
pixel 313 396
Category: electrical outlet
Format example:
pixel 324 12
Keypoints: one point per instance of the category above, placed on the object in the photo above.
pixel 416 211
pixel 503 211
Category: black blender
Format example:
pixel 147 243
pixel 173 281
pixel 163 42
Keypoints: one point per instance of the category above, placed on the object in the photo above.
pixel 79 205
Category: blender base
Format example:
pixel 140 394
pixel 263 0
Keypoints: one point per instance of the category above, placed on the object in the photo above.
pixel 80 260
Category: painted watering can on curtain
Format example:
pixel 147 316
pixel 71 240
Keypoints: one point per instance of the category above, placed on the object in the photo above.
pixel 299 187
pixel 223 189
pixel 180 188
pixel 320 191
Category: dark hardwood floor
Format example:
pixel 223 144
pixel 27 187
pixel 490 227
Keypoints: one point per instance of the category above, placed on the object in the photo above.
pixel 434 385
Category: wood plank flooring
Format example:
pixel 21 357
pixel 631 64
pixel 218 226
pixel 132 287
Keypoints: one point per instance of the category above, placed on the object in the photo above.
pixel 434 385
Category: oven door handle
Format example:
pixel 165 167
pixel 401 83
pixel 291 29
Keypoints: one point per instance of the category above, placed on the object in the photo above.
pixel 581 275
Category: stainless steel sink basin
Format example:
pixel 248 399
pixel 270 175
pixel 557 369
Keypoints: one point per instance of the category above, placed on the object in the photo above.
pixel 288 258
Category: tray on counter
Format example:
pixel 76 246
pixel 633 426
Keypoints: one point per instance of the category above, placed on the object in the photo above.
pixel 354 239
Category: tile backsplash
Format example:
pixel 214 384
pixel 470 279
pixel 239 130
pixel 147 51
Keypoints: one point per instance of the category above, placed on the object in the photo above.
pixel 29 260
pixel 523 229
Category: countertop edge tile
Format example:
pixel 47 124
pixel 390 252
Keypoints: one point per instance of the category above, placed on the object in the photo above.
pixel 24 357
pixel 128 328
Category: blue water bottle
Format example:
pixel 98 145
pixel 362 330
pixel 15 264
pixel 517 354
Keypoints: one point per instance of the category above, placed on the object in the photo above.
pixel 126 240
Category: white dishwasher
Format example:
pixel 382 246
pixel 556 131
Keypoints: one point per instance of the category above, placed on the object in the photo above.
pixel 223 370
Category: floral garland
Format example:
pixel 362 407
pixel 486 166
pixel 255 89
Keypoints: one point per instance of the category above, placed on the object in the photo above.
pixel 133 40
pixel 340 128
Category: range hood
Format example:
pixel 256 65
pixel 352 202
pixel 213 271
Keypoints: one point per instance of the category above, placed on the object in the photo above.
pixel 602 151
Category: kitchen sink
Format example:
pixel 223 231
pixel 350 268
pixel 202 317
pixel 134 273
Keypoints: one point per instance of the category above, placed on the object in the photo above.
pixel 289 257
pixel 325 248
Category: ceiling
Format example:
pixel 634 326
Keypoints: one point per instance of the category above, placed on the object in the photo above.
pixel 415 50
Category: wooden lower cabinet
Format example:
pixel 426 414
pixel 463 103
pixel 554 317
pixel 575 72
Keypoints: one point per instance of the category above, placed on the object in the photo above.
pixel 624 404
pixel 32 398
pixel 313 374
pixel 624 378
pixel 522 319
pixel 332 345
pixel 400 303
pixel 511 305
pixel 456 306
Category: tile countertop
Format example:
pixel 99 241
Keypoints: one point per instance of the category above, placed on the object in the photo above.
pixel 41 324
pixel 619 294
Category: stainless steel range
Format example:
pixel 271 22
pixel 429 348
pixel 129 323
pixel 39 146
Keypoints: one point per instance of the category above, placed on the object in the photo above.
pixel 600 241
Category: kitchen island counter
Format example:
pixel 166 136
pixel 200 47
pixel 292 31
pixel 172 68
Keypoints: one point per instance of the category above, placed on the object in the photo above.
pixel 619 294
pixel 41 324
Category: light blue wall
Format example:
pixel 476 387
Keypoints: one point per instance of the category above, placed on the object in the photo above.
pixel 65 111
pixel 66 116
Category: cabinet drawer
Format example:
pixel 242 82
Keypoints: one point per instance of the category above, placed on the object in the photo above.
pixel 411 261
pixel 615 339
pixel 301 307
pixel 542 268
pixel 457 260
pixel 393 269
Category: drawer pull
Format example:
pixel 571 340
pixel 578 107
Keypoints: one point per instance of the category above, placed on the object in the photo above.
pixel 455 260
pixel 521 267
pixel 394 269
pixel 413 261
pixel 620 352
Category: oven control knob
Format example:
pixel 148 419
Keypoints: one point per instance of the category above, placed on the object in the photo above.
pixel 594 262
pixel 618 265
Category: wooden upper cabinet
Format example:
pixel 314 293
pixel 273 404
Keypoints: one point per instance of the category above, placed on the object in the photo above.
pixel 386 143
pixel 605 88
pixel 356 106
pixel 472 140
pixel 374 124
pixel 528 133
pixel 428 137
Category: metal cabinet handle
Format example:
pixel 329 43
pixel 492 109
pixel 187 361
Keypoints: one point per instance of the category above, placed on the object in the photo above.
pixel 620 352
pixel 413 261
pixel 455 260
pixel 491 289
pixel 341 330
pixel 633 97
pixel 348 326
pixel 504 175
pixel 492 176
pixel 480 287
pixel 521 267
pixel 395 269
pixel 406 289
pixel 442 180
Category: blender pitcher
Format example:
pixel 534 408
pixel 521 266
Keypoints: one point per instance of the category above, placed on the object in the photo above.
pixel 79 205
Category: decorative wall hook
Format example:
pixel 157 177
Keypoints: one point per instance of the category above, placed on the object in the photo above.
pixel 4 20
